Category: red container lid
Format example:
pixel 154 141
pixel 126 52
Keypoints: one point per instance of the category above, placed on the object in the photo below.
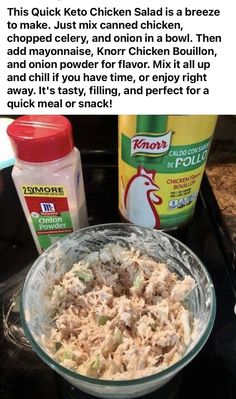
pixel 41 138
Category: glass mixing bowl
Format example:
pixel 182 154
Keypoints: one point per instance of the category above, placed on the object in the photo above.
pixel 60 257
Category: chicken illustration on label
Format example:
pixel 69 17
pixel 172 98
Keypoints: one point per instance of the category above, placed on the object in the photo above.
pixel 140 194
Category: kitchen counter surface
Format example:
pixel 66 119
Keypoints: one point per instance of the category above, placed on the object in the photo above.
pixel 221 170
pixel 212 371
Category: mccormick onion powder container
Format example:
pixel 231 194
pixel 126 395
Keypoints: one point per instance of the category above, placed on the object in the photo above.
pixel 48 177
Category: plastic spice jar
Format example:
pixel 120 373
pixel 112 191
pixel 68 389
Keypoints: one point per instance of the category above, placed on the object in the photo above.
pixel 48 177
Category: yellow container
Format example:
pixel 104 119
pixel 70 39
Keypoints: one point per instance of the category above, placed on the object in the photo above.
pixel 161 163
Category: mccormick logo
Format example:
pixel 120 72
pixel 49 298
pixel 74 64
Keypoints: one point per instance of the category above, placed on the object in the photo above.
pixel 150 145
pixel 47 207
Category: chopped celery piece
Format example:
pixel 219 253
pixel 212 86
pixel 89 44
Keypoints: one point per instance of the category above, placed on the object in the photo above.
pixel 138 282
pixel 118 336
pixel 96 363
pixel 67 355
pixel 58 346
pixel 102 320
pixel 61 293
pixel 84 276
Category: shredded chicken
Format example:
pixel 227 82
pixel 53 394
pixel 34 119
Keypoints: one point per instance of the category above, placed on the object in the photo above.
pixel 119 315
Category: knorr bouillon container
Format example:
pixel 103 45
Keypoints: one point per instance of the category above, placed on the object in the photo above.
pixel 161 164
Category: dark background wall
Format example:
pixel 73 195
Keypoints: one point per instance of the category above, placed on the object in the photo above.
pixel 95 133
pixel 99 133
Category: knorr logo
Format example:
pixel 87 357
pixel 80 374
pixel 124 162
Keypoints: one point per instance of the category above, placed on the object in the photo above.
pixel 150 145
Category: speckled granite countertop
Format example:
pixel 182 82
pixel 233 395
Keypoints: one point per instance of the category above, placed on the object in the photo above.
pixel 221 170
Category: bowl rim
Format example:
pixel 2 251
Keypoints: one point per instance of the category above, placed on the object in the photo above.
pixel 169 371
